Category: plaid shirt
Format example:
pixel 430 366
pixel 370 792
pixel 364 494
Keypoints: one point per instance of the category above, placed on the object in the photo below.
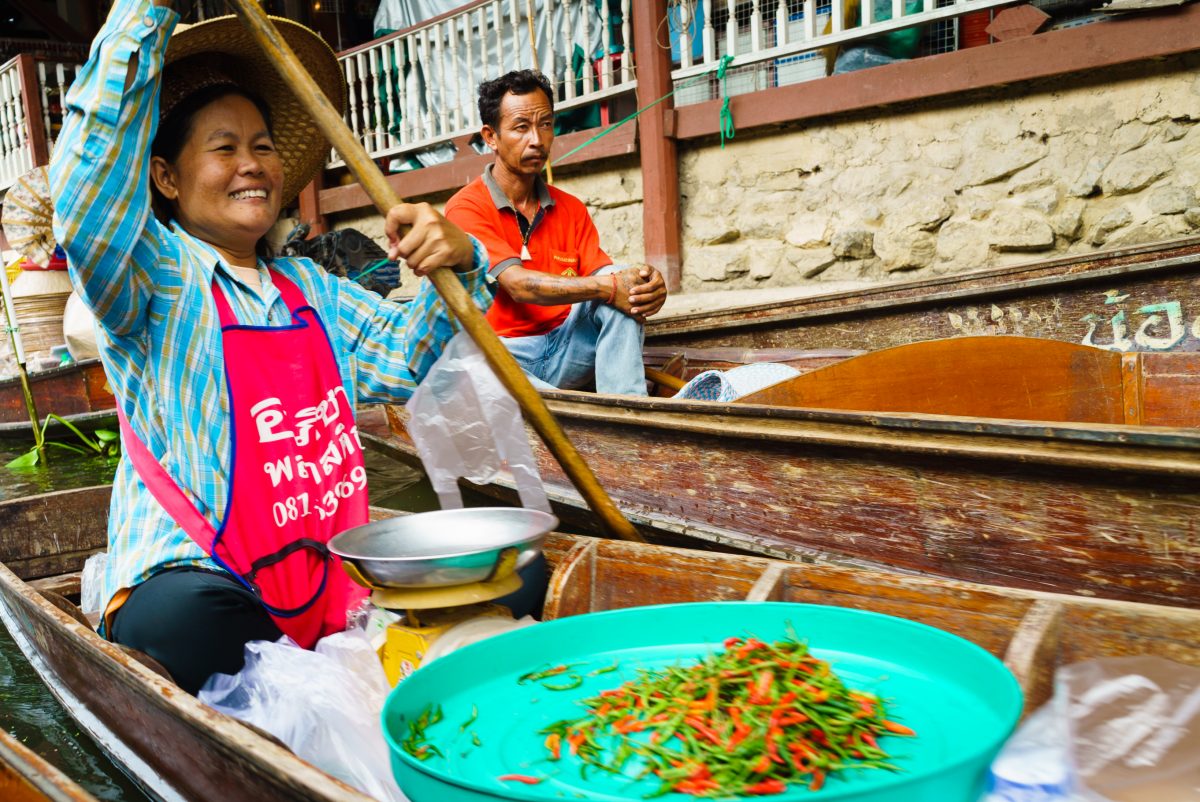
pixel 157 325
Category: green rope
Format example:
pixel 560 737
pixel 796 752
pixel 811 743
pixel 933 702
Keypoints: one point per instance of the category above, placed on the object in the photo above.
pixel 727 129
pixel 726 114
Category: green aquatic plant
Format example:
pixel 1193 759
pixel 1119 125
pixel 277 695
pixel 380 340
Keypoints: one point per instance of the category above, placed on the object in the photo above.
pixel 103 443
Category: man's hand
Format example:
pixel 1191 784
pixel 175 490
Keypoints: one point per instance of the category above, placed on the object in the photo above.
pixel 641 292
pixel 431 241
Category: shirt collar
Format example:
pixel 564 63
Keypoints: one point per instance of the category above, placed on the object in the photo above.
pixel 204 253
pixel 501 200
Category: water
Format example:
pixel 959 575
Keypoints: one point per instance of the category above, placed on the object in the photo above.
pixel 30 713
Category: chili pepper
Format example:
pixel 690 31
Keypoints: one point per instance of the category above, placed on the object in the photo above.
pixel 747 721
pixel 573 682
pixel 519 778
pixel 474 715
pixel 554 744
pixel 898 729
pixel 765 787
pixel 545 672
pixel 605 669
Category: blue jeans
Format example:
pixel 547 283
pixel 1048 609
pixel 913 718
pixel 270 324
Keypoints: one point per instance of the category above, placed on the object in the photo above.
pixel 595 341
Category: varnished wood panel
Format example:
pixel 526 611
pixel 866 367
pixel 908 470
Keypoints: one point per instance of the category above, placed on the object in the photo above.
pixel 53 533
pixel 989 377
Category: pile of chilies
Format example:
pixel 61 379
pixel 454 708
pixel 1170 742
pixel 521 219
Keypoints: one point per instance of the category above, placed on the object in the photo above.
pixel 745 722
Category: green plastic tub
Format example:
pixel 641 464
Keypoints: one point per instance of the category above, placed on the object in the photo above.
pixel 961 700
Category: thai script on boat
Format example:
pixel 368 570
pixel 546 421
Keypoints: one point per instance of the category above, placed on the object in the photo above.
pixel 1161 327
pixel 1158 326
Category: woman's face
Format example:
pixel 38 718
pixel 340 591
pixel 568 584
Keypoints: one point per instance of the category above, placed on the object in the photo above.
pixel 226 183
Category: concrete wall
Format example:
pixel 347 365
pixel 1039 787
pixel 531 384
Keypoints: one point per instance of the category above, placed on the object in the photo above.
pixel 1071 165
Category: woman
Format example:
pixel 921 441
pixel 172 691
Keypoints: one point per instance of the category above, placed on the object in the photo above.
pixel 236 374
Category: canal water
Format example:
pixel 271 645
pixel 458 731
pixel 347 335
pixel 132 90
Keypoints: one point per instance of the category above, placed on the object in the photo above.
pixel 30 713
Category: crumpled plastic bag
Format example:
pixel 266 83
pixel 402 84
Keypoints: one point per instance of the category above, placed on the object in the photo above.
pixel 91 582
pixel 324 705
pixel 464 423
pixel 1119 729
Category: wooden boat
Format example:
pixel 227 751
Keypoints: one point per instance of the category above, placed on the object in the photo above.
pixel 1039 501
pixel 180 749
pixel 78 392
pixel 25 777
pixel 1145 298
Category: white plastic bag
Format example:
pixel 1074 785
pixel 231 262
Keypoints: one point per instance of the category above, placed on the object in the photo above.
pixel 1119 729
pixel 324 705
pixel 91 582
pixel 465 424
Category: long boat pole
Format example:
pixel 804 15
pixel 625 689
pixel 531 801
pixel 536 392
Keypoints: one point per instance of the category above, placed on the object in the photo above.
pixel 453 294
pixel 14 334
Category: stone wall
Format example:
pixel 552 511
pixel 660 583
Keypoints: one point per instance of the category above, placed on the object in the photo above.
pixel 1061 166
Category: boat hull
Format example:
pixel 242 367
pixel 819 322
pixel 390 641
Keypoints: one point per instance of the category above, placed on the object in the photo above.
pixel 1109 511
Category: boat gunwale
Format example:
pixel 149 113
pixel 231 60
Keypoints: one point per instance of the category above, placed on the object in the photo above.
pixel 225 736
pixel 895 295
pixel 1110 447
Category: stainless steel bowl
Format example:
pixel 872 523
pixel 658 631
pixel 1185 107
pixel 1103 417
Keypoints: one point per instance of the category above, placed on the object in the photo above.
pixel 442 548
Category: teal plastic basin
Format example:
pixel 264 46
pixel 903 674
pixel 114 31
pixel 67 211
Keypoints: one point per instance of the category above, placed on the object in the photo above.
pixel 961 700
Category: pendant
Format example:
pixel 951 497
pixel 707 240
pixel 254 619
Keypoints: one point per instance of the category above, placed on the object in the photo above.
pixel 525 257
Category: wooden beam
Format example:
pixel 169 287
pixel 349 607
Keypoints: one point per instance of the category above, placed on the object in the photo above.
pixel 310 207
pixel 31 99
pixel 1084 49
pixel 454 174
pixel 661 219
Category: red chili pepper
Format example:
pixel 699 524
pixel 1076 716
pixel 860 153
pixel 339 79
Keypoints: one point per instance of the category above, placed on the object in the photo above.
pixel 762 687
pixel 766 787
pixel 898 729
pixel 703 729
pixel 576 739
pixel 519 778
pixel 869 740
pixel 817 781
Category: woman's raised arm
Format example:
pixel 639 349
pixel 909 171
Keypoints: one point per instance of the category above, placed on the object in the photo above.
pixel 99 170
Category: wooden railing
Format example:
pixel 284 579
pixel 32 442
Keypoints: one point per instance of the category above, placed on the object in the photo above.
pixel 31 97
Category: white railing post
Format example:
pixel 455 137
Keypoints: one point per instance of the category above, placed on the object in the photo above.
pixel 731 29
pixel 756 27
pixel 710 34
pixel 627 38
pixel 685 38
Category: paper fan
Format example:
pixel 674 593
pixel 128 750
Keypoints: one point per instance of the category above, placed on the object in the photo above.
pixel 27 218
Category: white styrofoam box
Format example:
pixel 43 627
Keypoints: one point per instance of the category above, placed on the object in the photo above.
pixel 697 92
pixel 795 69
pixel 743 43
pixel 747 80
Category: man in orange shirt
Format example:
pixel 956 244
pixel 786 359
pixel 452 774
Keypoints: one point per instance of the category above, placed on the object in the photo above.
pixel 566 313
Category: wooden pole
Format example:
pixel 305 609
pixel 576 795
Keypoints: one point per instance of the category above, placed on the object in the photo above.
pixel 14 334
pixel 453 294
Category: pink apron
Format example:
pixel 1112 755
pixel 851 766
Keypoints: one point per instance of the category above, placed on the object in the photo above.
pixel 298 477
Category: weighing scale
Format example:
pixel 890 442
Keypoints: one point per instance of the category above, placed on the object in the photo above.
pixel 439 569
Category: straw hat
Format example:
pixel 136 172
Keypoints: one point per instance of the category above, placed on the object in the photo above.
pixel 222 51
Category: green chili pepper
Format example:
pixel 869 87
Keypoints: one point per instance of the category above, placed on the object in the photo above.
pixel 573 681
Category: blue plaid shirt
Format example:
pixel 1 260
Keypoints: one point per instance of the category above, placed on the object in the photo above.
pixel 149 287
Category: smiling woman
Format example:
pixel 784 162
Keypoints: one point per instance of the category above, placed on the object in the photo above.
pixel 210 341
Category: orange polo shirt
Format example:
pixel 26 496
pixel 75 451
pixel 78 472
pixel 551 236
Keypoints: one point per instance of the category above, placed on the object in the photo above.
pixel 562 241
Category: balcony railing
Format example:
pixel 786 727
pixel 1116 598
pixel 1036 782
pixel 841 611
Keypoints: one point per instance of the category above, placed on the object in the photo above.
pixel 31 93
pixel 779 42
pixel 416 89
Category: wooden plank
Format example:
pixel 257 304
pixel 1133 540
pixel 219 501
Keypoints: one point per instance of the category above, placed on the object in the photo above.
pixel 1170 389
pixel 26 777
pixel 1093 300
pixel 73 389
pixel 53 533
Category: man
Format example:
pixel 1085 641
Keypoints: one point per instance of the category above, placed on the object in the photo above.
pixel 566 313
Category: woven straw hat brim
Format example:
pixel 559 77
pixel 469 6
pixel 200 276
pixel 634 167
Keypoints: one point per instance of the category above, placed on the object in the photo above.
pixel 301 146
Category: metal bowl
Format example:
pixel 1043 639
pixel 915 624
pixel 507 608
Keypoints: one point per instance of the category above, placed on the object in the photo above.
pixel 442 548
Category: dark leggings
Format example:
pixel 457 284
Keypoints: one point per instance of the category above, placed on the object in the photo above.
pixel 195 622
